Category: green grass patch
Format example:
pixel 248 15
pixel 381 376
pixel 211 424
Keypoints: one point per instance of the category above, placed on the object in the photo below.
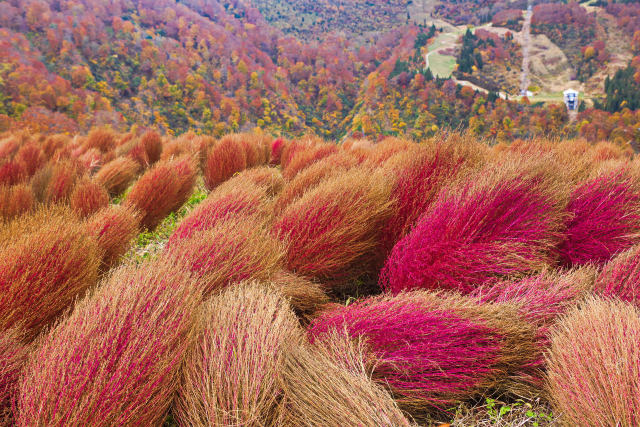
pixel 149 243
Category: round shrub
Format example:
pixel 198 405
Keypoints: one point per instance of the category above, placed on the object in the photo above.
pixel 13 355
pixel 225 158
pixel 15 200
pixel 114 228
pixel 231 251
pixel 332 231
pixel 49 262
pixel 117 175
pixel 434 350
pixel 126 341
pixel 605 218
pixel 88 197
pixel 498 222
pixel 329 384
pixel 592 367
pixel 231 375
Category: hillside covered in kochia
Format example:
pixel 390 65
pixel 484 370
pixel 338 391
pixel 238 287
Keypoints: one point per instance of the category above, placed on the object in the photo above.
pixel 218 66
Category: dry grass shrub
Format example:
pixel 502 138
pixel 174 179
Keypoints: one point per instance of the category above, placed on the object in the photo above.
pixel 224 159
pixel 231 375
pixel 31 156
pixel 304 158
pixel 117 175
pixel 306 297
pixel 12 172
pixel 235 198
pixel 15 201
pixel 114 228
pixel 64 176
pixel 266 177
pixel 593 376
pixel 161 190
pixel 101 139
pixel 329 384
pixel 88 197
pixel 13 355
pixel 312 176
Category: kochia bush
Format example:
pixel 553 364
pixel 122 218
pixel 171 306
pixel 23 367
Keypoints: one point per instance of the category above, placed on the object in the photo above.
pixel 593 365
pixel 117 175
pixel 127 341
pixel 332 231
pixel 50 261
pixel 605 218
pixel 114 228
pixel 13 355
pixel 161 190
pixel 620 277
pixel 231 375
pixel 498 222
pixel 232 251
pixel 225 158
pixel 434 350
pixel 88 197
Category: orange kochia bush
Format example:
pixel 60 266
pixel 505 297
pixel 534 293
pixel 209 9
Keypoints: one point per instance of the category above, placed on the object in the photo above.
pixel 162 189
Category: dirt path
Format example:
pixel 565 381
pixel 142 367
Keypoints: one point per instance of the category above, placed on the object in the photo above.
pixel 526 44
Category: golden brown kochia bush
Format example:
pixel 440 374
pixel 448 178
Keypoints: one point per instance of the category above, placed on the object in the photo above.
pixel 231 375
pixel 47 260
pixel 13 355
pixel 265 177
pixel 114 228
pixel 102 139
pixel 306 297
pixel 231 251
pixel 117 175
pixel 15 200
pixel 593 365
pixel 386 149
pixel 88 197
pixel 329 384
pixel 116 359
pixel 332 231
pixel 161 190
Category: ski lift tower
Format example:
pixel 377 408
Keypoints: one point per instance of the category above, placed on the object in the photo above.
pixel 571 99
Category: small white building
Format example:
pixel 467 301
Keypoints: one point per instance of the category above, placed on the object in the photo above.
pixel 571 99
